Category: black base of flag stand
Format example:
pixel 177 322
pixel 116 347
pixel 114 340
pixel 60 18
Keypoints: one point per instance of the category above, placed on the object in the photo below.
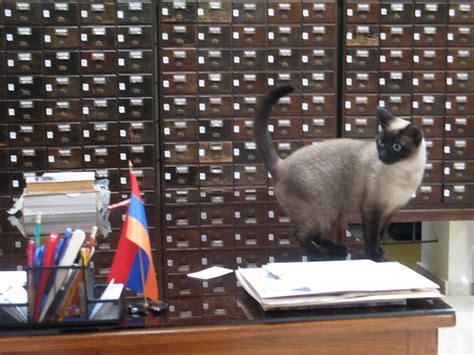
pixel 147 308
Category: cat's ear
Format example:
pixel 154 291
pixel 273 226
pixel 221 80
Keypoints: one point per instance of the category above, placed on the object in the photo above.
pixel 383 116
pixel 414 133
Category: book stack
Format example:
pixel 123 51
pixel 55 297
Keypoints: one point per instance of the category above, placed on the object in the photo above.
pixel 334 283
pixel 60 193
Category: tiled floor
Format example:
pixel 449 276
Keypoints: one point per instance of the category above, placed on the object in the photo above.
pixel 458 340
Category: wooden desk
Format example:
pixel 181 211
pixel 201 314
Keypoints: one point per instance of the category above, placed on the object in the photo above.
pixel 416 332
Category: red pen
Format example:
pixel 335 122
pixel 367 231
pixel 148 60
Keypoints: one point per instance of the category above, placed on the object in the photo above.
pixel 48 260
pixel 30 252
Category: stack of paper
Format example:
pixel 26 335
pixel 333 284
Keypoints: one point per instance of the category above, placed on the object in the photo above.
pixel 77 181
pixel 299 285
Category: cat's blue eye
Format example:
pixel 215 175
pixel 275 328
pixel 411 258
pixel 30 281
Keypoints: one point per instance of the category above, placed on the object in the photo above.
pixel 396 147
pixel 380 143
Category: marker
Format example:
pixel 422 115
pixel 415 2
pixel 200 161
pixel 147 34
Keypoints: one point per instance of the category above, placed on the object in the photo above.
pixel 92 237
pixel 37 229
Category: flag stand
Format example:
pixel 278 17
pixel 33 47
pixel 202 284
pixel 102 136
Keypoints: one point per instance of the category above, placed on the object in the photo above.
pixel 147 307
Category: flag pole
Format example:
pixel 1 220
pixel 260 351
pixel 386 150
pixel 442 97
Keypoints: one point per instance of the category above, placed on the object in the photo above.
pixel 142 273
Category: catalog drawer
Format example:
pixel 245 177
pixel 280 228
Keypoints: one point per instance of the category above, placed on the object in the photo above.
pixel 395 81
pixel 284 255
pixel 396 36
pixel 245 175
pixel 458 193
pixel 63 134
pixel 321 104
pixel 248 59
pixel 396 13
pixel 99 85
pixel 250 214
pixel 362 11
pixel 362 35
pixel 250 237
pixel 433 171
pixel 285 35
pixel 25 110
pixel 215 175
pixel 461 12
pixel 98 62
pixel 285 128
pixel 27 158
pixel 26 86
pixel 62 86
pixel 99 109
pixel 137 132
pixel 216 195
pixel 429 81
pixel 459 126
pixel 216 305
pixel 136 61
pixel 179 286
pixel 176 35
pixel 432 126
pixel 178 59
pixel 182 216
pixel 320 81
pixel 65 158
pixel 100 133
pixel 101 157
pixel 60 13
pixel 214 11
pixel 249 36
pixel 215 129
pixel 23 37
pixel 217 238
pixel 363 82
pixel 145 176
pixel 178 11
pixel 432 104
pixel 431 12
pixel 246 11
pixel 26 134
pixel 279 78
pixel 319 11
pixel 214 35
pixel 180 176
pixel 460 58
pixel 215 152
pixel 246 152
pixel 251 193
pixel 397 59
pixel 429 59
pixel 459 148
pixel 61 37
pixel 22 13
pixel 460 81
pixel 183 106
pixel 214 83
pixel 458 170
pixel 216 216
pixel 181 153
pixel 135 37
pixel 23 62
pixel 244 106
pixel 135 85
pixel 360 127
pixel 98 13
pixel 182 238
pixel 360 104
pixel 249 83
pixel 136 108
pixel 140 12
pixel 283 59
pixel 283 12
pixel 215 106
pixel 427 194
pixel 178 262
pixel 434 148
pixel 243 128
pixel 180 130
pixel 460 36
pixel 430 35
pixel 360 59
pixel 459 104
pixel 179 83
pixel 251 257
pixel 282 237
pixel 63 110
pixel 98 37
pixel 319 127
pixel 181 196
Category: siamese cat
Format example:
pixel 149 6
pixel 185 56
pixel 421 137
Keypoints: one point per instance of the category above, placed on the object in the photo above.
pixel 319 185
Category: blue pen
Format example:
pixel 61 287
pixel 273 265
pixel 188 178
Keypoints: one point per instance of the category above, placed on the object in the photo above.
pixel 63 245
pixel 39 252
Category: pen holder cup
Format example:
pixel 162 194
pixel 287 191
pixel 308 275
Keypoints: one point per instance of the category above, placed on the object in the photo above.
pixel 62 295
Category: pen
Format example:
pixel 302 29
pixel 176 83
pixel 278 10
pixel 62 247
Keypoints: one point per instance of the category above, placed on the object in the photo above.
pixel 37 228
pixel 92 237
pixel 31 271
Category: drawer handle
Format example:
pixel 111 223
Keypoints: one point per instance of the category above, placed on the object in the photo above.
pixel 319 100
pixel 250 54
pixel 26 129
pixel 284 76
pixel 23 6
pixel 28 152
pixel 135 31
pixel 285 30
pixel 362 76
pixel 460 166
pixel 98 31
pixel 319 53
pixel 65 153
pixel 24 80
pixel 64 128
pixel 98 57
pixel 217 123
pixel 459 189
pixel 284 6
pixel 24 31
pixel 26 104
pixel 215 30
pixel 285 52
pixel 465 7
pixel 363 7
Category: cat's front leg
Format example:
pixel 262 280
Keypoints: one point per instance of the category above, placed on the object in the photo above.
pixel 371 228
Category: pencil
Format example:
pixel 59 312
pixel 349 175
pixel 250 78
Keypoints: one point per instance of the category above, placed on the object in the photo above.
pixel 37 229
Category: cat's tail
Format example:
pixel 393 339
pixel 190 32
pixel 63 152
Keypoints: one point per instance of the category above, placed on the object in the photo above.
pixel 262 136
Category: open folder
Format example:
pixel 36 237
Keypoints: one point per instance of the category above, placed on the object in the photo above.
pixel 300 285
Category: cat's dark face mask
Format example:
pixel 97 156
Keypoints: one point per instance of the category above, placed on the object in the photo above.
pixel 394 145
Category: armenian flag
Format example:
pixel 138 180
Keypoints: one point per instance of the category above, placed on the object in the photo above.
pixel 133 263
